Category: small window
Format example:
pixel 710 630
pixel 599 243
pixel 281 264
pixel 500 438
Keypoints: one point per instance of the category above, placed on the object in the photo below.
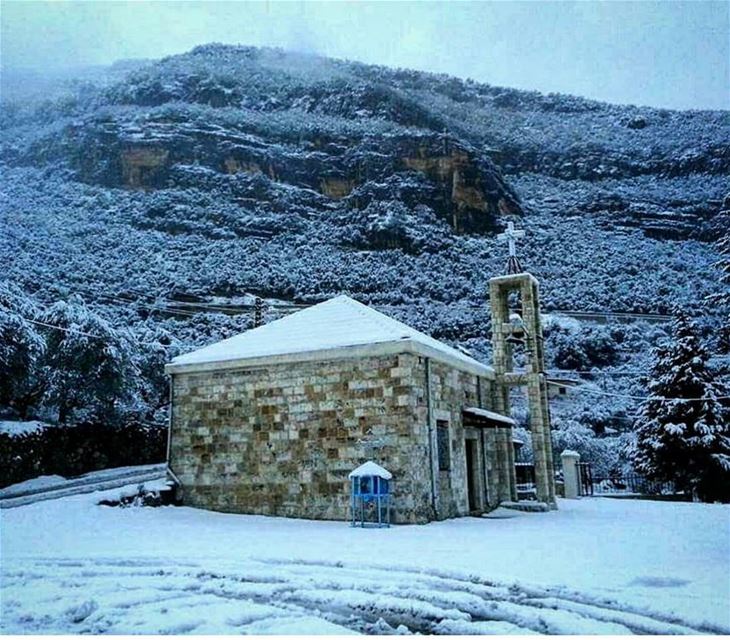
pixel 562 390
pixel 442 438
pixel 365 485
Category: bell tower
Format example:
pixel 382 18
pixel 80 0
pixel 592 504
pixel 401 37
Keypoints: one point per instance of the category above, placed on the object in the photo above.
pixel 521 325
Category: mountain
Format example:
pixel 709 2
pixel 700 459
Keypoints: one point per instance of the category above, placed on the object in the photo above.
pixel 230 171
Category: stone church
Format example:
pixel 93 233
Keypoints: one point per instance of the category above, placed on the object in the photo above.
pixel 273 420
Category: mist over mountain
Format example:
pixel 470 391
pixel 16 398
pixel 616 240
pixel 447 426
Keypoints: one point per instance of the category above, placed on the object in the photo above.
pixel 230 171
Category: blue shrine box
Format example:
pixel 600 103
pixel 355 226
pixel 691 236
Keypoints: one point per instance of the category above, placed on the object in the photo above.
pixel 370 495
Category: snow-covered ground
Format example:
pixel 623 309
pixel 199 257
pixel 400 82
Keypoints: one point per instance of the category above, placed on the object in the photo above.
pixel 15 428
pixel 53 487
pixel 595 566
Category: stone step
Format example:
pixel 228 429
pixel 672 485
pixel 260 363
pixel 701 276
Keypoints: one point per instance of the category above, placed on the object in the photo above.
pixel 526 505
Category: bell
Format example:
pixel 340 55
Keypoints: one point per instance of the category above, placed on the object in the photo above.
pixel 514 340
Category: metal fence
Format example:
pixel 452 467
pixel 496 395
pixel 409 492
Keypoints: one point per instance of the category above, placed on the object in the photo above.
pixel 628 484
pixel 585 479
pixel 631 484
pixel 590 485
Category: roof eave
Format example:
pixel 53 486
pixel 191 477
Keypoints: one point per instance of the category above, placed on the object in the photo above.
pixel 490 415
pixel 338 353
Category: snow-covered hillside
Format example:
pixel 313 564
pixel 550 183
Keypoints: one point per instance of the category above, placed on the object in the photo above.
pixel 231 170
pixel 206 177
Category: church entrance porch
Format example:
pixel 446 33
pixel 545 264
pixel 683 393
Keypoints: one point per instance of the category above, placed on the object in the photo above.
pixel 489 457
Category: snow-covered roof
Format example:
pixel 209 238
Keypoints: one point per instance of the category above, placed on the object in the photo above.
pixel 370 468
pixel 340 327
pixel 490 415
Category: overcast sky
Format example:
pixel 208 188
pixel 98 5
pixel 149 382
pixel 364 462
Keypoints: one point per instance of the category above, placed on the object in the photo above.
pixel 667 53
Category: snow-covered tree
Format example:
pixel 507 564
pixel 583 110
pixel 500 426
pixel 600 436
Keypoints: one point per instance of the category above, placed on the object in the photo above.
pixel 89 363
pixel 151 393
pixel 603 454
pixel 581 348
pixel 722 300
pixel 21 348
pixel 723 246
pixel 682 432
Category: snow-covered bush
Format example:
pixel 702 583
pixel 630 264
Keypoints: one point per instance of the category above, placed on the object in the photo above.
pixel 604 454
pixel 78 449
pixel 21 349
pixel 580 350
pixel 719 303
pixel 88 362
pixel 143 497
pixel 392 225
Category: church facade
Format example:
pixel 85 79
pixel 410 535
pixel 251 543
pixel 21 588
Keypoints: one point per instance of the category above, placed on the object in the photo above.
pixel 272 421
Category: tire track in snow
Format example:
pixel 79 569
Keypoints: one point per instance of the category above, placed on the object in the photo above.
pixel 609 609
pixel 58 595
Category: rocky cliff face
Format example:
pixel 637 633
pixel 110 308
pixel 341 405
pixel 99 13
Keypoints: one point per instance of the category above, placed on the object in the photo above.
pixel 466 189
pixel 341 129
pixel 348 134
pixel 237 143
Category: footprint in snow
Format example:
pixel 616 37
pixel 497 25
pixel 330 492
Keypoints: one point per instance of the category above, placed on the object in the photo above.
pixel 82 611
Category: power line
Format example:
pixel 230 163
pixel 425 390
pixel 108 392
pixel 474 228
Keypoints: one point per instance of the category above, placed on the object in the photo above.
pixel 632 397
pixel 167 306
pixel 127 301
pixel 77 289
pixel 67 330
pixel 89 335
pixel 303 305
pixel 599 372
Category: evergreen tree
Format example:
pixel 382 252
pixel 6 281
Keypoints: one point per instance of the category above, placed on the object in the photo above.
pixel 21 349
pixel 679 439
pixel 89 363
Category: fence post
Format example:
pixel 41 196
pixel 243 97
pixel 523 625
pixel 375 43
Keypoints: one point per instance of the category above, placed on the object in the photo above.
pixel 571 476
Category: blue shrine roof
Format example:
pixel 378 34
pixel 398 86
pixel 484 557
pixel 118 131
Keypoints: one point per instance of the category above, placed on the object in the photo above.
pixel 371 468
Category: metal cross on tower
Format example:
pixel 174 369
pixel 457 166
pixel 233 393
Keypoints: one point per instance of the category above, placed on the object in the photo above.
pixel 511 235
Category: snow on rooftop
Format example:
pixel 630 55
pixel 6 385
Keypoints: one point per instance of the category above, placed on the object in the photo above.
pixel 340 322
pixel 370 468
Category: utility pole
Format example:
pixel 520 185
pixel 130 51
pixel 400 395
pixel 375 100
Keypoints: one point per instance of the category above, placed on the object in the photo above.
pixel 258 312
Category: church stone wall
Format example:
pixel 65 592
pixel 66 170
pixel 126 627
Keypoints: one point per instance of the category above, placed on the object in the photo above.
pixel 453 390
pixel 281 440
